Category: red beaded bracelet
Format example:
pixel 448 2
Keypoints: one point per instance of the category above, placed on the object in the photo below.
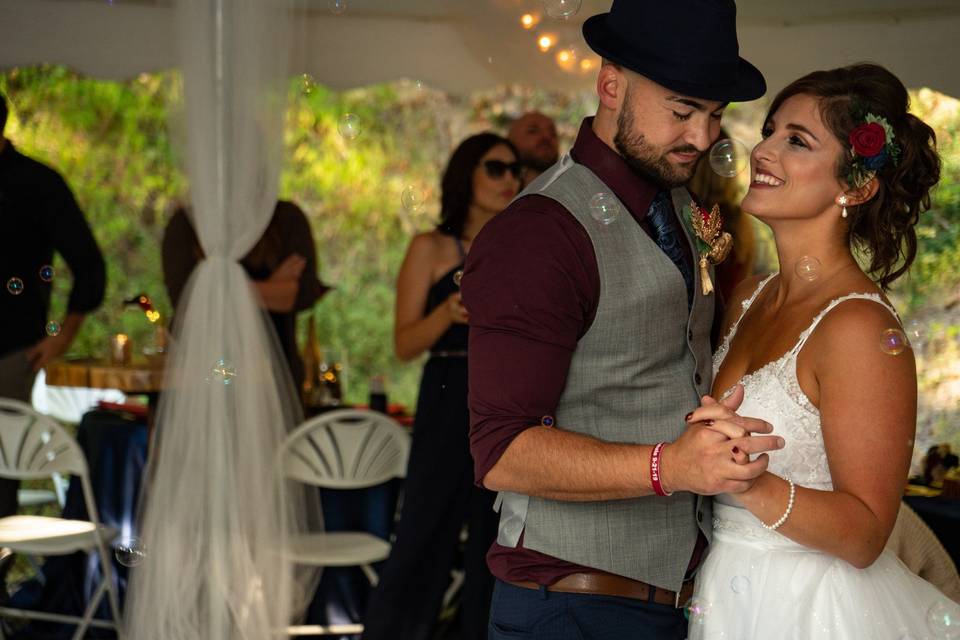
pixel 655 469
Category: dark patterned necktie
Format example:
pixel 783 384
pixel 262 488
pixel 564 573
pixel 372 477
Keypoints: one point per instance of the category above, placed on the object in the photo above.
pixel 668 237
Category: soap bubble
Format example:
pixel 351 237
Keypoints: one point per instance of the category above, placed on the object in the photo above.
pixel 943 621
pixel 349 126
pixel 729 157
pixel 740 584
pixel 412 198
pixel 561 9
pixel 337 7
pixel 604 208
pixel 47 272
pixel 223 371
pixel 53 328
pixel 893 342
pixel 307 84
pixel 15 286
pixel 130 552
pixel 696 610
pixel 916 334
pixel 807 268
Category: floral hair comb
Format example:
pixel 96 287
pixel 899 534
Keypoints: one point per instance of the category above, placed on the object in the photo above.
pixel 871 148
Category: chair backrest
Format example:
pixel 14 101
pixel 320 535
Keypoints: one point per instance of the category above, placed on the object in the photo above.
pixel 346 449
pixel 33 445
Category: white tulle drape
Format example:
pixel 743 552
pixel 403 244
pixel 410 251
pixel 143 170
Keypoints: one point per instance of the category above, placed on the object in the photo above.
pixel 215 515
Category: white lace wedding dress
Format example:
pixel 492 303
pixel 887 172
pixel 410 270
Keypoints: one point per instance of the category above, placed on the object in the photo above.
pixel 759 585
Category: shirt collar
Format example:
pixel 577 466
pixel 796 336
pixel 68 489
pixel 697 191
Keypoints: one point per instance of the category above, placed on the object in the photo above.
pixel 634 191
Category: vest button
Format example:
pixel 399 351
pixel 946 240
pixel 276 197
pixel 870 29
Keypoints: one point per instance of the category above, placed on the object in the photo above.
pixel 690 335
pixel 697 378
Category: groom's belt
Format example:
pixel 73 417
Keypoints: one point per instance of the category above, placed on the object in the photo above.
pixel 606 584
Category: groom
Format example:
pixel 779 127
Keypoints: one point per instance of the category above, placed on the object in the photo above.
pixel 590 341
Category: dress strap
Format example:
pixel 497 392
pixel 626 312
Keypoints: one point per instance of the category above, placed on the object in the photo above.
pixel 746 305
pixel 833 303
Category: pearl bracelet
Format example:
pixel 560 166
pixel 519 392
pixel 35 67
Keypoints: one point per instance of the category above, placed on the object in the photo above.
pixel 786 514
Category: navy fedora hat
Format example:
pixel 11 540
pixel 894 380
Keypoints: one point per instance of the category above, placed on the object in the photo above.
pixel 688 46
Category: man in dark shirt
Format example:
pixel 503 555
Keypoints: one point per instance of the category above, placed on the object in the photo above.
pixel 585 548
pixel 38 216
pixel 282 265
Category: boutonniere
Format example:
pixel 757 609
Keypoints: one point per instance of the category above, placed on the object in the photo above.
pixel 713 243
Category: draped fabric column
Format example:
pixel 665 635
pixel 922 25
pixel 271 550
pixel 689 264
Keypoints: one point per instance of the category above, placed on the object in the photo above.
pixel 216 516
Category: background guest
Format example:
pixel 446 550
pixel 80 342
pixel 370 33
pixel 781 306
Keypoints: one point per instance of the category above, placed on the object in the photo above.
pixel 480 180
pixel 39 217
pixel 282 265
pixel 535 137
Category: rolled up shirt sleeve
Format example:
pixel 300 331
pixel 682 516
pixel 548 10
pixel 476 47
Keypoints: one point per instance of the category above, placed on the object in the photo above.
pixel 531 287
pixel 73 239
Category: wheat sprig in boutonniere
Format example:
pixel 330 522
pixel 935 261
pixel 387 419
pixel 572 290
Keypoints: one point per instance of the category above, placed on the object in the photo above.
pixel 713 243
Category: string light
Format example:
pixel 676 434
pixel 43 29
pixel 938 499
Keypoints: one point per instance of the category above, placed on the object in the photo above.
pixel 567 58
pixel 546 41
pixel 529 20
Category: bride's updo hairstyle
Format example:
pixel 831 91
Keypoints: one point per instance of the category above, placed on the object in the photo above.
pixel 882 226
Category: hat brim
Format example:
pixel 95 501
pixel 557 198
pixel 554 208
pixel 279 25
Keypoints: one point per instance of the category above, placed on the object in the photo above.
pixel 749 84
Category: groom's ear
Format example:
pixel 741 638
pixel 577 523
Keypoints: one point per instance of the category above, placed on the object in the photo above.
pixel 611 86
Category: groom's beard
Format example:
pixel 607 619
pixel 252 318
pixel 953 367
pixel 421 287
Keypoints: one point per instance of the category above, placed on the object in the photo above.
pixel 648 161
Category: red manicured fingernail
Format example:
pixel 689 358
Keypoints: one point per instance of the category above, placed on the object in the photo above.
pixel 688 416
pixel 736 449
pixel 708 422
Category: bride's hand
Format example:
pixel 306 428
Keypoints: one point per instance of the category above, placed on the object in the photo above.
pixel 722 418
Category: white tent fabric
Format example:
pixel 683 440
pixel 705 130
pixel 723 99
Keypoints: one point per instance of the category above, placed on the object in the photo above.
pixel 217 516
pixel 463 45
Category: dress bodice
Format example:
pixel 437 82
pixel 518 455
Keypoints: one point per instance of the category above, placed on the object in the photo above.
pixel 773 393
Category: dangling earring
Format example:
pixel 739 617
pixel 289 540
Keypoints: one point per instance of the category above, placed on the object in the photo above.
pixel 842 201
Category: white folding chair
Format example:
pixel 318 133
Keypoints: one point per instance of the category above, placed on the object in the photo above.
pixel 344 449
pixel 35 446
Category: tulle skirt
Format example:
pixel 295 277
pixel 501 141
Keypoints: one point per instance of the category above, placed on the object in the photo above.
pixel 759 585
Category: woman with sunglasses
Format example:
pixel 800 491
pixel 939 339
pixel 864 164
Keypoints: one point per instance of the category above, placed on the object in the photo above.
pixel 481 178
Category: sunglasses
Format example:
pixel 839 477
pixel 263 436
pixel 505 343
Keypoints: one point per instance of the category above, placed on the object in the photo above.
pixel 496 168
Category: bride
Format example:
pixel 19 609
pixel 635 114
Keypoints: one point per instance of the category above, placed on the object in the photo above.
pixel 843 171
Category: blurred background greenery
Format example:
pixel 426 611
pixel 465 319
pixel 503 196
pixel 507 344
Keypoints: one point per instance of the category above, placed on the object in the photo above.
pixel 112 143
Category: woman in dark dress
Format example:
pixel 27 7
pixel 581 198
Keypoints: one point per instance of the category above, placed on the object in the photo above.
pixel 480 180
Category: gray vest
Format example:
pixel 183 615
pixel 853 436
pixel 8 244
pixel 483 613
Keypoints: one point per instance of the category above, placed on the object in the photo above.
pixel 642 365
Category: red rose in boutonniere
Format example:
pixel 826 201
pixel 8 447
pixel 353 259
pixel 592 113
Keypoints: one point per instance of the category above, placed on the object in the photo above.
pixel 868 139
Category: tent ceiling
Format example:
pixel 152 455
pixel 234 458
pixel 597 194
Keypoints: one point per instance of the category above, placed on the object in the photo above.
pixel 463 45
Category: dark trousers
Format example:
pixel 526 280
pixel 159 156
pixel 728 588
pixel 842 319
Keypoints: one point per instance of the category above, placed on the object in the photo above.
pixel 16 382
pixel 439 498
pixel 545 615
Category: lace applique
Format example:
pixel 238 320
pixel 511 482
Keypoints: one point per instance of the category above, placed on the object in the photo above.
pixel 743 529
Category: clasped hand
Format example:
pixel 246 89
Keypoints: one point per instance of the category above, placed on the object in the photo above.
pixel 713 455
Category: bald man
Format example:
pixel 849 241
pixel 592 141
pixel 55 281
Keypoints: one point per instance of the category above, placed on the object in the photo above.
pixel 535 137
